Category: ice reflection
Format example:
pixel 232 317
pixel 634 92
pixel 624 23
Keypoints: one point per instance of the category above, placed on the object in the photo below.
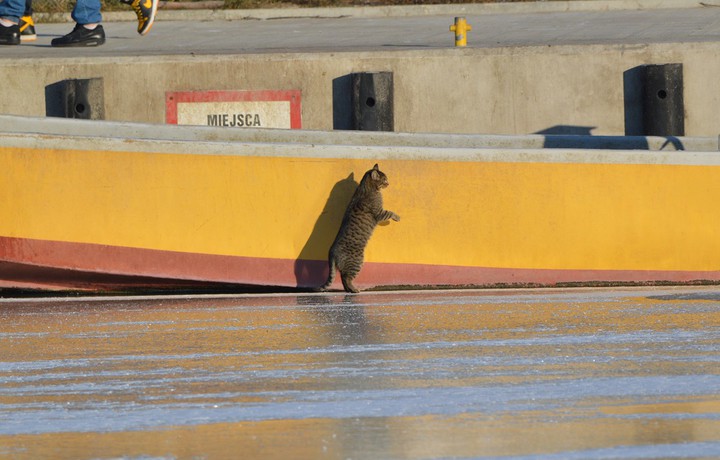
pixel 564 374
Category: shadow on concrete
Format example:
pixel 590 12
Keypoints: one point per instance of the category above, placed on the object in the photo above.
pixel 311 266
pixel 54 99
pixel 557 137
pixel 674 141
pixel 566 136
pixel 632 97
pixel 342 102
pixel 580 137
pixel 567 130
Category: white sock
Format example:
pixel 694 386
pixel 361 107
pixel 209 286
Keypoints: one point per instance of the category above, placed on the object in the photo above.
pixel 7 23
pixel 90 26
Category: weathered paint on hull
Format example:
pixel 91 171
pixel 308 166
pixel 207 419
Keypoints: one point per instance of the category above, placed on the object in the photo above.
pixel 266 214
pixel 87 266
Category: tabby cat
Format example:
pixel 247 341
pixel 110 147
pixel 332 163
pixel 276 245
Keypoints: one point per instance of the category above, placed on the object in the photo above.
pixel 362 215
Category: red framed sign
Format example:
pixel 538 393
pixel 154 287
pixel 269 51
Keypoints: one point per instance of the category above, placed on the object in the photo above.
pixel 234 109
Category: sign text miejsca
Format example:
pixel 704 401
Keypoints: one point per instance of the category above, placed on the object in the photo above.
pixel 235 120
pixel 235 108
pixel 235 114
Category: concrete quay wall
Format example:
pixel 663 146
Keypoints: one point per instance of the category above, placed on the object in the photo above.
pixel 569 89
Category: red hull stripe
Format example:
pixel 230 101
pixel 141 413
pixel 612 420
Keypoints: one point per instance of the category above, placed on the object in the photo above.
pixel 28 261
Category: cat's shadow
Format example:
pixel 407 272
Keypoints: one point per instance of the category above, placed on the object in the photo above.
pixel 311 266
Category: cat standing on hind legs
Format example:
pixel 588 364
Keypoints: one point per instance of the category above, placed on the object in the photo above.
pixel 362 215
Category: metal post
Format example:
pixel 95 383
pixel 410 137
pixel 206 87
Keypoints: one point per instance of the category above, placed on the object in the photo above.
pixel 372 101
pixel 83 98
pixel 663 111
pixel 461 28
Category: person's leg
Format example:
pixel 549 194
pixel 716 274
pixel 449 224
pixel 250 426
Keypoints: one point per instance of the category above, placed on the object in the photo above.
pixel 87 12
pixel 10 13
pixel 87 31
pixel 12 10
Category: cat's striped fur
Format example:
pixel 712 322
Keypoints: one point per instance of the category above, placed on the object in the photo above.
pixel 362 215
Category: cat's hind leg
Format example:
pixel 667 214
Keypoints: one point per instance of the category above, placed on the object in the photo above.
pixel 330 278
pixel 347 282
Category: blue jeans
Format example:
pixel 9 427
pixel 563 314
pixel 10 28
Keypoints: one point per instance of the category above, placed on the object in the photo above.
pixel 86 11
pixel 12 10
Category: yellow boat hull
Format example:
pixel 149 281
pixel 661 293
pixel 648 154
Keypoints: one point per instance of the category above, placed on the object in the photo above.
pixel 266 214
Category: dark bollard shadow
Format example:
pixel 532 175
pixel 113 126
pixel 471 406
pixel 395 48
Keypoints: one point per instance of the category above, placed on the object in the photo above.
pixel 566 136
pixel 54 99
pixel 342 103
pixel 674 141
pixel 567 130
pixel 311 266
pixel 632 101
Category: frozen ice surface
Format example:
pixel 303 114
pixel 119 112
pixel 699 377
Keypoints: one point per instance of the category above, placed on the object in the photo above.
pixel 581 373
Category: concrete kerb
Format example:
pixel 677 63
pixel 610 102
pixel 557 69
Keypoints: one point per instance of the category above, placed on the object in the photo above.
pixel 126 130
pixel 396 11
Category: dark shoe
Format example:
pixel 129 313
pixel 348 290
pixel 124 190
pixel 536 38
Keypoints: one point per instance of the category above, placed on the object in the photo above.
pixel 80 36
pixel 9 35
pixel 27 29
pixel 145 10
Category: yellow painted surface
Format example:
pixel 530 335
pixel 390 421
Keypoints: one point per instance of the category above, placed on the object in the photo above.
pixel 487 214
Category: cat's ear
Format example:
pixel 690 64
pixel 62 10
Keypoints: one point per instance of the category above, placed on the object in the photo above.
pixel 351 176
pixel 376 167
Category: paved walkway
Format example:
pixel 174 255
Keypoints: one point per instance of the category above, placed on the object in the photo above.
pixel 225 33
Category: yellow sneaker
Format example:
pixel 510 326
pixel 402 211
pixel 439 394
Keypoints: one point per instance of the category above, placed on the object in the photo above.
pixel 27 29
pixel 145 10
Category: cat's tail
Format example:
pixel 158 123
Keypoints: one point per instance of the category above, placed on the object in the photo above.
pixel 331 276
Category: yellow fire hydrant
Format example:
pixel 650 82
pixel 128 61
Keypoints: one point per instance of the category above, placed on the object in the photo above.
pixel 461 28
